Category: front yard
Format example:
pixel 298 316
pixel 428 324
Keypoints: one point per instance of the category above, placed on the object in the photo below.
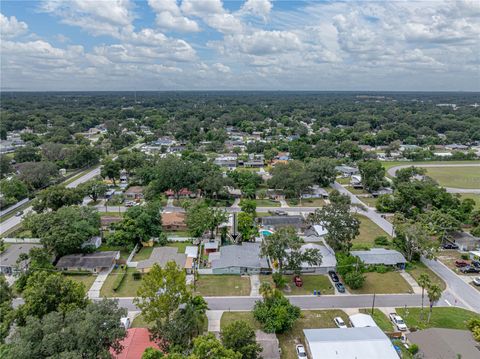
pixel 383 283
pixel 449 256
pixel 128 287
pixel 267 203
pixel 380 318
pixel 368 232
pixel 310 283
pixel 307 202
pixel 442 317
pixel 418 268
pixel 86 279
pixel 222 285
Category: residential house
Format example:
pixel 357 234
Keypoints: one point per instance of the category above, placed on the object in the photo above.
pixel 10 256
pixel 356 181
pixel 316 192
pixel 106 222
pixel 349 343
pixel 442 343
pixel 92 262
pixel 381 191
pixel 329 262
pixel 183 193
pixel 134 193
pixel 134 344
pixel 228 161
pixel 161 256
pixel 347 171
pixel 275 222
pixel 239 259
pixel 173 221
pixel 374 256
pixel 465 241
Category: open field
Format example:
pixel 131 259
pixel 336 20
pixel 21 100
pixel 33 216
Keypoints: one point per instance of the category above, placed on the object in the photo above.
pixel 418 268
pixel 310 319
pixel 127 289
pixel 456 177
pixel 383 283
pixel 442 317
pixel 222 285
pixel 368 232
pixel 369 201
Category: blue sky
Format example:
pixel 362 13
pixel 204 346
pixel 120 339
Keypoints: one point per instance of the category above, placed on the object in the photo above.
pixel 244 45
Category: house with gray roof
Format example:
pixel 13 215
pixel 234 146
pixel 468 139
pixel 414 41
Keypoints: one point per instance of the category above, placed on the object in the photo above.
pixel 10 256
pixel 92 262
pixel 465 241
pixel 161 256
pixel 296 221
pixel 388 257
pixel 239 259
pixel 329 262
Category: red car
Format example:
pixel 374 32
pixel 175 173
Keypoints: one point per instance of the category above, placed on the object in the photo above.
pixel 298 281
pixel 461 264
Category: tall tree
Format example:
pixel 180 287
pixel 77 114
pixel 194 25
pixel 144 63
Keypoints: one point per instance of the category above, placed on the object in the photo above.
pixel 55 197
pixel 292 178
pixel 246 226
pixel 342 226
pixel 209 347
pixel 201 217
pixel 111 169
pixel 240 337
pixel 412 239
pixel 424 282
pixel 37 174
pixel 93 189
pixel 372 173
pixel 322 170
pixel 8 313
pixel 434 293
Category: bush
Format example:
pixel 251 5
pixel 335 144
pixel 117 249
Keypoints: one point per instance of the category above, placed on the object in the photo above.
pixel 476 231
pixel 137 275
pixel 413 349
pixel 355 280
pixel 119 280
pixel 276 314
pixel 347 263
pixel 294 201
pixel 382 268
pixel 279 281
pixel 464 256
pixel 381 241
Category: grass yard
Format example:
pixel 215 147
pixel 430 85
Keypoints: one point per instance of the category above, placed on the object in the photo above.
pixel 475 197
pixel 145 252
pixel 124 252
pixel 457 177
pixel 381 319
pixel 343 180
pixel 180 245
pixel 127 289
pixel 369 201
pixel 442 317
pixel 368 232
pixel 310 283
pixel 390 164
pixel 267 203
pixel 222 285
pixel 356 190
pixel 383 283
pixel 417 268
pixel 307 202
pixel 86 279
pixel 310 319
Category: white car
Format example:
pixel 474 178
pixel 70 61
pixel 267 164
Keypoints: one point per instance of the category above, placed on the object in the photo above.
pixel 339 322
pixel 398 321
pixel 476 280
pixel 300 350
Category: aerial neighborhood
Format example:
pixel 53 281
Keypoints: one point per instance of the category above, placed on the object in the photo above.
pixel 257 227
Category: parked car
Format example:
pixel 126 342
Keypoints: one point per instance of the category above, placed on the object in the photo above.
pixel 476 281
pixel 129 204
pixel 298 281
pixel 398 321
pixel 470 269
pixel 339 322
pixel 334 276
pixel 449 245
pixel 301 353
pixel 18 214
pixel 476 264
pixel 461 264
pixel 340 287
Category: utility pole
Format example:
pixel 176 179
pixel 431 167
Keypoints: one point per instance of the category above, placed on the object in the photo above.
pixel 373 302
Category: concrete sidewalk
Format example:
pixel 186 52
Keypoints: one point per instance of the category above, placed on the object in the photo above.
pixel 254 285
pixel 412 282
pixel 214 317
pixel 94 291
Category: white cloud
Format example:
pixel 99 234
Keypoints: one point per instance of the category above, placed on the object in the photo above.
pixel 170 17
pixel 260 8
pixel 11 27
pixel 265 42
pixel 214 15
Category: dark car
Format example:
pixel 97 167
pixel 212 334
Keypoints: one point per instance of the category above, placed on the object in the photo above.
pixel 461 264
pixel 340 287
pixel 470 269
pixel 448 245
pixel 476 264
pixel 334 276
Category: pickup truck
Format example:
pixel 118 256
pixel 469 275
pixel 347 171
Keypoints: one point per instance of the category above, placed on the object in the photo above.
pixel 398 321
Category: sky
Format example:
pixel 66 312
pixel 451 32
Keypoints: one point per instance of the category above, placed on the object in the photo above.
pixel 68 45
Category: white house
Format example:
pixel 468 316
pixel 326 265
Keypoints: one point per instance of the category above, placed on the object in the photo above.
pixel 361 320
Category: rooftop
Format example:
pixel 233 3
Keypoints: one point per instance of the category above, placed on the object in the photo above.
pixel 380 256
pixel 90 260
pixel 163 255
pixel 244 255
pixel 296 221
pixel 134 344
pixel 9 257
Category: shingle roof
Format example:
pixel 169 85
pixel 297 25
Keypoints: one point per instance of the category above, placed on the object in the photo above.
pixel 163 255
pixel 380 256
pixel 134 344
pixel 244 255
pixel 296 221
pixel 9 257
pixel 90 260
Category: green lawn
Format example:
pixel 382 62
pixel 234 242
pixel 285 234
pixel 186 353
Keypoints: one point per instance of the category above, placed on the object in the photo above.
pixel 381 319
pixel 222 285
pixel 145 252
pixel 390 164
pixel 369 201
pixel 383 283
pixel 310 319
pixel 124 252
pixel 180 245
pixel 127 289
pixel 86 279
pixel 475 197
pixel 308 202
pixel 343 180
pixel 310 283
pixel 368 232
pixel 457 177
pixel 417 268
pixel 267 203
pixel 442 317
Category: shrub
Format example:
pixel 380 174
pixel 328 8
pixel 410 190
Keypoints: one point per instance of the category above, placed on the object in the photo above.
pixel 119 280
pixel 355 280
pixel 464 256
pixel 476 231
pixel 279 280
pixel 381 241
pixel 137 275
pixel 276 314
pixel 381 268
pixel 413 349
pixel 347 263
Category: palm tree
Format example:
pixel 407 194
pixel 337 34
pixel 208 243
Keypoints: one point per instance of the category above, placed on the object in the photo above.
pixel 424 282
pixel 266 290
pixel 434 293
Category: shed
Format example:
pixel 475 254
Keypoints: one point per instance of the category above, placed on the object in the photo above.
pixel 191 251
pixel 92 262
pixel 383 256
pixel 361 320
pixel 210 247
pixel 240 259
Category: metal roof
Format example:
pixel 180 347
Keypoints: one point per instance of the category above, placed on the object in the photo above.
pixel 296 221
pixel 380 256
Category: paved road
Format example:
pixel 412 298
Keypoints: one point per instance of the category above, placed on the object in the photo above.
pixel 393 170
pixel 455 285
